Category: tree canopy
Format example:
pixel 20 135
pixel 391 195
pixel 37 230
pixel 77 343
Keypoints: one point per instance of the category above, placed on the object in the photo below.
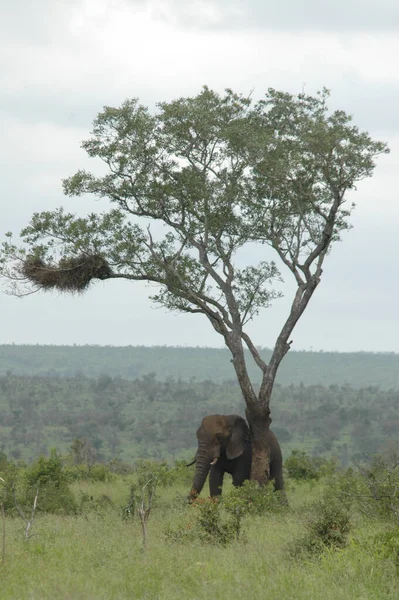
pixel 188 188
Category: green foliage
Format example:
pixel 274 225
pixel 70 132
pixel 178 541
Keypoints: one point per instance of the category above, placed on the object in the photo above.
pixel 99 472
pixel 212 527
pixel 181 473
pixel 100 505
pixel 253 499
pixel 219 520
pixel 118 467
pixel 49 476
pixel 83 453
pixel 300 466
pixel 94 554
pixel 211 523
pixel 147 418
pixel 8 482
pixel 165 474
pixel 141 495
pixel 160 470
pixel 128 511
pixel 327 525
pixel 374 486
pixel 386 545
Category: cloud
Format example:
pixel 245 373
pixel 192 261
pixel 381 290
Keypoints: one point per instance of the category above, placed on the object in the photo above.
pixel 108 51
pixel 38 23
pixel 290 15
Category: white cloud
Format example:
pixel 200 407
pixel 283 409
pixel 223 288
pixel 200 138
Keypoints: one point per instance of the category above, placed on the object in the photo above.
pixel 290 15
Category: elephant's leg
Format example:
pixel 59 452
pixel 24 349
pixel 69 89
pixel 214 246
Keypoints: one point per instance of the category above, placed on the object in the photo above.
pixel 239 475
pixel 215 480
pixel 242 469
pixel 276 473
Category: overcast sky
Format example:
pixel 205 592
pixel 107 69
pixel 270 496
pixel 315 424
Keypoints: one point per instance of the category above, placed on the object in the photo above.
pixel 62 60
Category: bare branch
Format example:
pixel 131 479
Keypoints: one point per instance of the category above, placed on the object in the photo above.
pixel 255 354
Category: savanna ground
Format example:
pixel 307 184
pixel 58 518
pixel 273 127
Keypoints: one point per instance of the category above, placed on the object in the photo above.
pixel 332 542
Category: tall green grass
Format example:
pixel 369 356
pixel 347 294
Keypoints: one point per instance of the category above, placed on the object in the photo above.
pixel 98 555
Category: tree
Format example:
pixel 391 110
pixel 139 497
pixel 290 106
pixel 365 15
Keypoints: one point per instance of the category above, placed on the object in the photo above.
pixel 219 172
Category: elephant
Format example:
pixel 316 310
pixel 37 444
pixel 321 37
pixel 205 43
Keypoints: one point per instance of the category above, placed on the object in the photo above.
pixel 224 446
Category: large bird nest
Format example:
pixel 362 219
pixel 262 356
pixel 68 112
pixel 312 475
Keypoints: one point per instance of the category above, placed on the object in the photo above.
pixel 69 275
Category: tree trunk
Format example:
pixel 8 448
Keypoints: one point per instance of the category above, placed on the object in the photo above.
pixel 257 411
pixel 259 422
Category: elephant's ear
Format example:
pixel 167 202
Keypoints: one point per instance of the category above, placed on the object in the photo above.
pixel 236 444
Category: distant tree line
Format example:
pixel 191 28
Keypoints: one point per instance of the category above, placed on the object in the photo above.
pixel 358 369
pixel 149 418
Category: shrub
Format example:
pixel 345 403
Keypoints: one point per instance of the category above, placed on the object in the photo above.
pixel 300 466
pixel 181 473
pixel 82 452
pixel 128 510
pixel 251 498
pixel 50 476
pixel 141 495
pixel 10 475
pixel 117 466
pixel 327 525
pixel 98 472
pixel 381 489
pixel 375 489
pixel 386 546
pixel 165 474
pixel 160 470
pixel 100 505
pixel 209 524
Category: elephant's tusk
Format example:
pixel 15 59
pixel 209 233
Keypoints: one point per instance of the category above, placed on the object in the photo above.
pixel 214 460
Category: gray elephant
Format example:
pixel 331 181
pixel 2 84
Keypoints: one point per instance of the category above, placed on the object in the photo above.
pixel 224 446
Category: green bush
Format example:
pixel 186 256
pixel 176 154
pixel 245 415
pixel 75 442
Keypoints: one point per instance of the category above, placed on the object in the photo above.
pixel 128 511
pixel 141 495
pixel 300 466
pixel 160 470
pixel 10 475
pixel 181 473
pixel 210 523
pixel 386 546
pixel 165 474
pixel 49 476
pixel 212 527
pixel 379 489
pixel 327 524
pixel 374 487
pixel 251 498
pixel 219 520
pixel 119 467
pixel 100 505
pixel 98 472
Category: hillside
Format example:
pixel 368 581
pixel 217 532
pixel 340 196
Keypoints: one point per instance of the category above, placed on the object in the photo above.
pixel 149 418
pixel 359 369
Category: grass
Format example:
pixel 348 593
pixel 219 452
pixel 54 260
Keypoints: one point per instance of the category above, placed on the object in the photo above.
pixel 95 557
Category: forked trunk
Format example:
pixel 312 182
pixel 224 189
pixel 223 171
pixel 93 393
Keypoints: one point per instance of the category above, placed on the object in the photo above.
pixel 260 469
pixel 257 411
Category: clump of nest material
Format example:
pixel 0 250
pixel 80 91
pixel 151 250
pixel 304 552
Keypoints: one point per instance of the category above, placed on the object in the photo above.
pixel 69 275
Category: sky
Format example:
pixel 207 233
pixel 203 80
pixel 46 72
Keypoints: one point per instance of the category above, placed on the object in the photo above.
pixel 61 61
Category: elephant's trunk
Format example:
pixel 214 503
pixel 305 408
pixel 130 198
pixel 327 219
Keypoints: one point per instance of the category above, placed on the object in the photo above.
pixel 202 466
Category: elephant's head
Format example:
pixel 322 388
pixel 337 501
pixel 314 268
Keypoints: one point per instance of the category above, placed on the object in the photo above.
pixel 217 434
